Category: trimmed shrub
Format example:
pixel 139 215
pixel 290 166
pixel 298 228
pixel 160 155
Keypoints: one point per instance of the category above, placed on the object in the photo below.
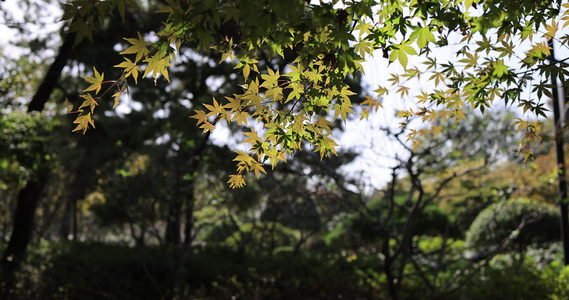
pixel 523 221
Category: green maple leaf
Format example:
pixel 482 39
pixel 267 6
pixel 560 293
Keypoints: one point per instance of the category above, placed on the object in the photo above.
pixel 499 68
pixel 270 79
pixel 325 145
pixel 297 91
pixel 423 35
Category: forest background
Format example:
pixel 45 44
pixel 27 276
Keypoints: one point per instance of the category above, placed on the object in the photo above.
pixel 144 204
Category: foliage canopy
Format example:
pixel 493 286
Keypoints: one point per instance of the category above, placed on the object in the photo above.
pixel 284 109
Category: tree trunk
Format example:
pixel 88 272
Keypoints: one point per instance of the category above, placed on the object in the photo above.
pixel 173 224
pixel 68 224
pixel 52 76
pixel 22 231
pixel 189 211
pixel 29 196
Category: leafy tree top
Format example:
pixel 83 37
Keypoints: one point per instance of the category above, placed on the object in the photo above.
pixel 324 43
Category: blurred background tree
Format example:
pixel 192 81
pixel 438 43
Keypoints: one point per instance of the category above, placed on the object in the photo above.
pixel 139 208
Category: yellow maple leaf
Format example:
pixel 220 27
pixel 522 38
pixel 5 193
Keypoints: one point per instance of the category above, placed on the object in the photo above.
pixel 95 82
pixel 138 47
pixel 200 116
pixel 89 102
pixel 83 121
pixel 236 181
pixel 130 69
pixel 157 65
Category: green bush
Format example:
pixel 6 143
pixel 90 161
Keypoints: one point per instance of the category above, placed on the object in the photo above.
pixel 507 279
pixel 562 285
pixel 90 271
pixel 501 220
pixel 265 236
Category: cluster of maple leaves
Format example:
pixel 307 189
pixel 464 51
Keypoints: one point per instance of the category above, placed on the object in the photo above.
pixel 330 40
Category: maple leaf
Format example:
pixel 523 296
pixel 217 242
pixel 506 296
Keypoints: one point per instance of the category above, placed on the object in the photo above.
pixel 270 79
pixel 423 35
pixel 371 103
pixel 364 114
pixel 234 103
pixel 157 65
pixel 274 156
pixel 499 68
pixel 89 102
pixel 236 181
pixel 345 93
pixel 241 117
pixel 343 110
pixel 297 91
pixel 69 106
pixel 324 124
pixel 200 116
pixel 404 114
pixel 243 158
pixel 83 121
pixel 117 96
pixel 435 130
pixel 325 145
pixel 231 12
pixel 130 69
pixel 252 137
pixel 214 109
pixel 551 30
pixel 94 81
pixel 363 28
pixel 138 47
pixel 257 168
pixel 295 73
pixel 83 29
pixel 207 126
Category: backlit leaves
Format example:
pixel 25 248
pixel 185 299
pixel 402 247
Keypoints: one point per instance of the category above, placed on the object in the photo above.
pixel 83 121
pixel 89 102
pixel 94 81
pixel 423 35
pixel 138 47
pixel 130 69
pixel 300 105
pixel 157 66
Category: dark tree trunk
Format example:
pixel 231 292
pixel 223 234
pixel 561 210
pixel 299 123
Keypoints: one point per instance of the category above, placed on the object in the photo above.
pixel 65 224
pixel 173 236
pixel 23 228
pixel 29 196
pixel 52 76
pixel 68 225
pixel 189 211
